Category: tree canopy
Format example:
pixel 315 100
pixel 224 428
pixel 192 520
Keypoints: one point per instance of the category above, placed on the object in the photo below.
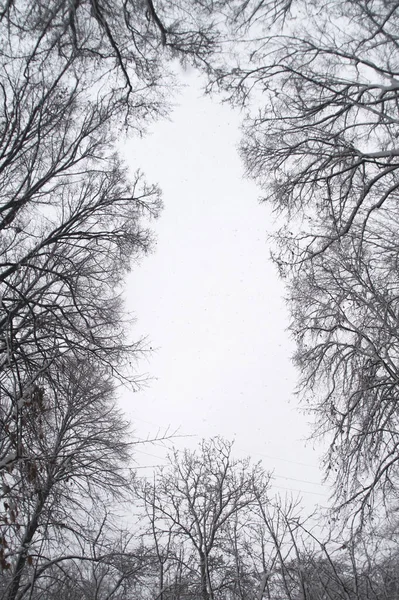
pixel 320 84
pixel 75 76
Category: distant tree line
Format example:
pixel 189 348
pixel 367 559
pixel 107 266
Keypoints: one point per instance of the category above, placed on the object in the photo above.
pixel 217 532
pixel 209 531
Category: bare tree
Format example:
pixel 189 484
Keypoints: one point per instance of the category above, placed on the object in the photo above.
pixel 73 458
pixel 345 314
pixel 74 77
pixel 321 84
pixel 323 144
pixel 108 565
pixel 70 217
pixel 307 562
pixel 196 499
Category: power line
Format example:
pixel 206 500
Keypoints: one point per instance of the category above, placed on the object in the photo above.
pixel 157 443
pixel 298 480
pixel 300 491
pixel 149 454
pixel 273 485
pixel 294 462
pixel 274 476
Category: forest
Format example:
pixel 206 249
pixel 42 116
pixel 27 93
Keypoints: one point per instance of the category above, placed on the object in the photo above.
pixel 318 86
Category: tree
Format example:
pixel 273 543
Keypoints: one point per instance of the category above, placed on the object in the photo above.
pixel 326 130
pixel 307 562
pixel 73 462
pixel 196 501
pixel 70 216
pixel 75 76
pixel 323 147
pixel 345 314
pixel 111 566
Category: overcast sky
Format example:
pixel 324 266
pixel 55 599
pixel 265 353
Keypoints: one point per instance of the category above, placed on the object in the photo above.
pixel 211 303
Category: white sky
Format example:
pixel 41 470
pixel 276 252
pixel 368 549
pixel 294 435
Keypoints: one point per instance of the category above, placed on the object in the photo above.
pixel 211 303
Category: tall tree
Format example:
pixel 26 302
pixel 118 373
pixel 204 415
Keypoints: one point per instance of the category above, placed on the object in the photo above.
pixel 323 84
pixel 70 216
pixel 323 143
pixel 74 77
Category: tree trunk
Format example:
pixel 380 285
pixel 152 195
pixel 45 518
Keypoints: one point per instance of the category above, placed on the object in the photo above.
pixel 25 544
pixel 204 578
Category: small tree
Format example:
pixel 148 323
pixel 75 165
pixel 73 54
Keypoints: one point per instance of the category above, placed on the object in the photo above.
pixel 198 498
